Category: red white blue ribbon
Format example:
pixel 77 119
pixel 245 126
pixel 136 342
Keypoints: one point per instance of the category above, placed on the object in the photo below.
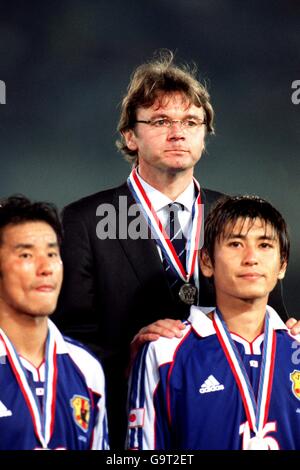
pixel 256 410
pixel 43 420
pixel 159 233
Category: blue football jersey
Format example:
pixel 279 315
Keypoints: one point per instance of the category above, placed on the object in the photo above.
pixel 75 416
pixel 184 396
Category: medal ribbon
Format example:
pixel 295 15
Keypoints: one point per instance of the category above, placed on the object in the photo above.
pixel 256 411
pixel 43 421
pixel 159 232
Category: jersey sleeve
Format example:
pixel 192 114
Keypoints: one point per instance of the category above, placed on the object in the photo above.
pixel 93 375
pixel 148 427
pixel 100 439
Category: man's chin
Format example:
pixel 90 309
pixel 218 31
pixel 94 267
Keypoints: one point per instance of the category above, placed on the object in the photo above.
pixel 40 313
pixel 179 168
pixel 254 297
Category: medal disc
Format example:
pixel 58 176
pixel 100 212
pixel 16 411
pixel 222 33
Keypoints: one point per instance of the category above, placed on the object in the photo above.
pixel 188 293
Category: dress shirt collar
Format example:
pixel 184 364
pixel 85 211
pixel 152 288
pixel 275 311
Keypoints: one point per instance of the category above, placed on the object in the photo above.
pixel 160 200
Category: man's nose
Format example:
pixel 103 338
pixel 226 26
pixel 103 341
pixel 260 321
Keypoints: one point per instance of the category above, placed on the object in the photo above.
pixel 44 266
pixel 250 256
pixel 176 130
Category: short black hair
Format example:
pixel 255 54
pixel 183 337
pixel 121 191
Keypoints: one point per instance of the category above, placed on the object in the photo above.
pixel 18 209
pixel 228 210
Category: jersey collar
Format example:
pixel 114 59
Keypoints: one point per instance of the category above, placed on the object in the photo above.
pixel 203 326
pixel 60 343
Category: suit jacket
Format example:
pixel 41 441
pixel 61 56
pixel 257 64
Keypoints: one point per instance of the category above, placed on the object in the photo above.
pixel 114 287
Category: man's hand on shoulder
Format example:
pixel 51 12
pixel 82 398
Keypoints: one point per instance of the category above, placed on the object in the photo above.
pixel 167 328
pixel 293 325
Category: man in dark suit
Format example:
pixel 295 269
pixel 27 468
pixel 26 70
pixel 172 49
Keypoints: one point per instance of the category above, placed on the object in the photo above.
pixel 116 283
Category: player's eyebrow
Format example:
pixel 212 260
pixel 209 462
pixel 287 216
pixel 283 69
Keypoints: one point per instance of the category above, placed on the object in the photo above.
pixel 244 236
pixel 164 115
pixel 28 246
pixel 22 246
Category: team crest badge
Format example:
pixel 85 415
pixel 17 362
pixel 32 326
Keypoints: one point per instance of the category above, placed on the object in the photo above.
pixel 295 378
pixel 81 411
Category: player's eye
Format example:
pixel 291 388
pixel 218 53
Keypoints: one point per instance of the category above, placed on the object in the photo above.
pixel 163 122
pixel 25 255
pixel 266 245
pixel 234 243
pixel 190 123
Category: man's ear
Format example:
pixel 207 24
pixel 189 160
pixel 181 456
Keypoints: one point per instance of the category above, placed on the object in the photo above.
pixel 282 270
pixel 206 264
pixel 130 139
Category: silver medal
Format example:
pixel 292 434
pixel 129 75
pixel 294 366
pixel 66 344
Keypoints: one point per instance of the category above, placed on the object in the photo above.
pixel 188 294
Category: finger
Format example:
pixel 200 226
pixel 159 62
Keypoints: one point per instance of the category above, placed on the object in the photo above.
pixel 143 338
pixel 171 322
pixel 166 327
pixel 166 332
pixel 296 328
pixel 180 324
pixel 149 337
pixel 161 331
pixel 173 326
pixel 291 322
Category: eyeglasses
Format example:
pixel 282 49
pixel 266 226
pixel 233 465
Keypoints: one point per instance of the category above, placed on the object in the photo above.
pixel 166 123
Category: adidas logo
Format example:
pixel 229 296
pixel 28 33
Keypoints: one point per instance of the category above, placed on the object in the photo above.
pixel 4 412
pixel 211 385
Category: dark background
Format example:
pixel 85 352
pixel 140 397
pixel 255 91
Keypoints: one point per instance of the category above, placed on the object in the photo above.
pixel 66 65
